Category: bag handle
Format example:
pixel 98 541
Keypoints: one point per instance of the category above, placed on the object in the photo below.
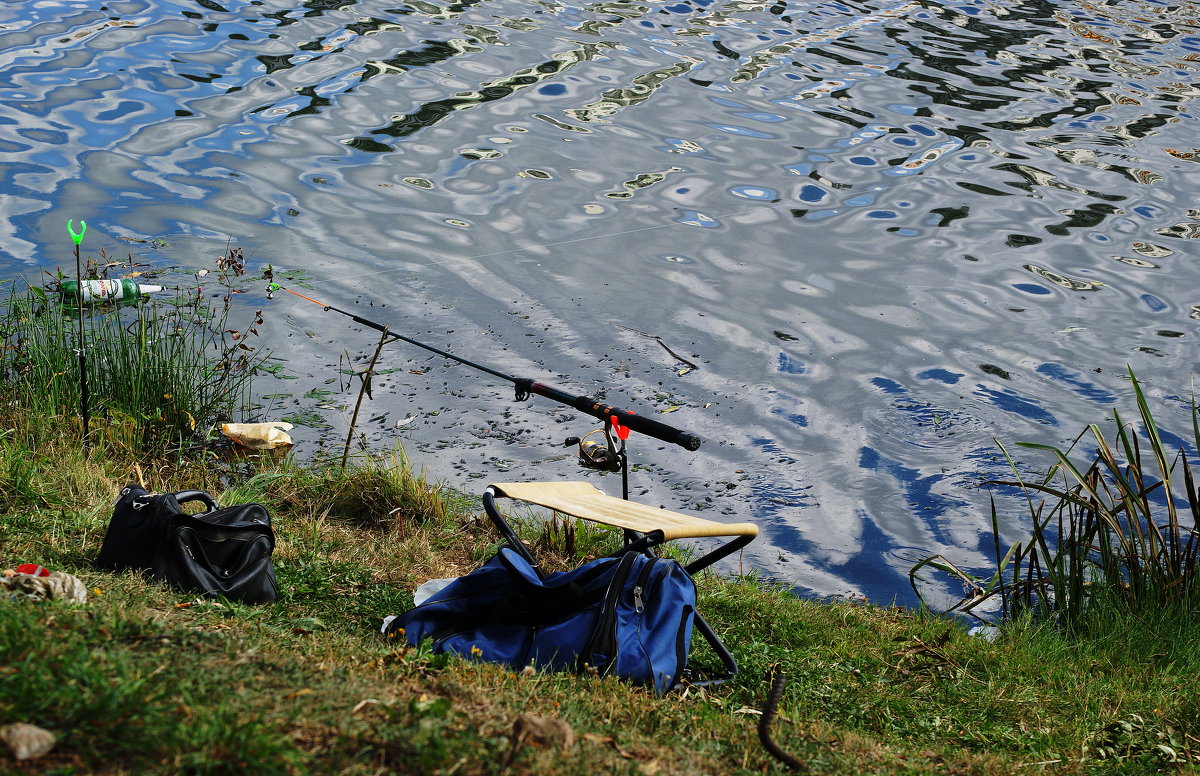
pixel 197 495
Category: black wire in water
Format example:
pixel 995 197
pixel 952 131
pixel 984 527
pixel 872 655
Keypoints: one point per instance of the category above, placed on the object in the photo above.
pixel 770 707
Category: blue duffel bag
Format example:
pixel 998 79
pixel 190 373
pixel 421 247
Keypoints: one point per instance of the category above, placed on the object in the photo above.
pixel 630 616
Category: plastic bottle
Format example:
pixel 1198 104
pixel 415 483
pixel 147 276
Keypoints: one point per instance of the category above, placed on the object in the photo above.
pixel 105 290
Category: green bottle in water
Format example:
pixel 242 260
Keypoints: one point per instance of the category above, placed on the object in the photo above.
pixel 105 290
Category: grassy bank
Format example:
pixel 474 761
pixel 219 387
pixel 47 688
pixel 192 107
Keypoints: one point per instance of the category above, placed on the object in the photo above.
pixel 143 679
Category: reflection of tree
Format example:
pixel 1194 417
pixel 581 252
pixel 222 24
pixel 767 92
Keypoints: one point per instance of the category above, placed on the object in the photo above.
pixel 761 61
pixel 1029 40
pixel 431 113
pixel 1062 280
pixel 642 181
pixel 643 88
pixel 1189 230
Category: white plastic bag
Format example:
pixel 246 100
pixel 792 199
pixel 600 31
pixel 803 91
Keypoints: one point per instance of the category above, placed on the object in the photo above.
pixel 258 436
pixel 427 589
pixel 422 594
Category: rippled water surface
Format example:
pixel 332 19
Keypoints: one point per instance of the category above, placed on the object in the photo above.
pixel 849 244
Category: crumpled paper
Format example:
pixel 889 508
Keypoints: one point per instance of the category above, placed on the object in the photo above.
pixel 258 436
pixel 26 741
pixel 56 585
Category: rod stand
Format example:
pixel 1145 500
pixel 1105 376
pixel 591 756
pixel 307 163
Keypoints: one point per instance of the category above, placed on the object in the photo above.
pixel 385 338
pixel 616 454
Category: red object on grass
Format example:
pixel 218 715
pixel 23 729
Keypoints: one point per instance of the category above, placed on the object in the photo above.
pixel 32 569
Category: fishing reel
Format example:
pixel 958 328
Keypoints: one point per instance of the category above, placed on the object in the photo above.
pixel 608 455
pixel 595 454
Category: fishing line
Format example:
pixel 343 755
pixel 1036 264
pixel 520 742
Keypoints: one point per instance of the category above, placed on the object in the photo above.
pixel 612 416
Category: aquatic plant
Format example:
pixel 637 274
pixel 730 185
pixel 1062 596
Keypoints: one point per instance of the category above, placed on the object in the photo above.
pixel 160 373
pixel 1116 536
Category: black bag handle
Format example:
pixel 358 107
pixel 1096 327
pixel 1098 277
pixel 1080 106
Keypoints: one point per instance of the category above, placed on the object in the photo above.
pixel 197 495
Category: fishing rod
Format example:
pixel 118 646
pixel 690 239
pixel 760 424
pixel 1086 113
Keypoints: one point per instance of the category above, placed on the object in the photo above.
pixel 526 387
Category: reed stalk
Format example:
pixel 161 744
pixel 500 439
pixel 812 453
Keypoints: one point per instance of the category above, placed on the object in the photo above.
pixel 161 373
pixel 1115 535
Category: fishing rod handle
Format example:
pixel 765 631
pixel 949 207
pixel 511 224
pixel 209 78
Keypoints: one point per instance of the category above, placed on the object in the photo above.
pixel 639 423
pixel 649 427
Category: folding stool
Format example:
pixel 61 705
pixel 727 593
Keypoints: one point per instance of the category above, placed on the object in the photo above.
pixel 644 527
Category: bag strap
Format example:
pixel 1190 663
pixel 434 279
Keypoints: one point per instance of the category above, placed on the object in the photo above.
pixel 536 599
pixel 197 495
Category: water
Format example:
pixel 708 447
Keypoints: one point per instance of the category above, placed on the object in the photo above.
pixel 883 234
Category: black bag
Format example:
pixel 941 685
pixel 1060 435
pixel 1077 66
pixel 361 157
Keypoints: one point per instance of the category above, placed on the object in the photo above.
pixel 223 552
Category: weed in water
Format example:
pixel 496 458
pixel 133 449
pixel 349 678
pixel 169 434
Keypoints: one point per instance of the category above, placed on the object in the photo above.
pixel 159 374
pixel 1116 537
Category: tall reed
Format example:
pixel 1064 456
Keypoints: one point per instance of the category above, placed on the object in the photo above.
pixel 1114 535
pixel 160 373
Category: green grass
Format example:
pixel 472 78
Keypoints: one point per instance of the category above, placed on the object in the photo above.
pixel 159 374
pixel 147 680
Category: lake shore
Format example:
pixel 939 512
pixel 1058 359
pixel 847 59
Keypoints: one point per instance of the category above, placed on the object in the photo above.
pixel 146 679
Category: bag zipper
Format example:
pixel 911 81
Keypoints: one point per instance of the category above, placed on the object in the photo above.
pixel 639 589
pixel 604 636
